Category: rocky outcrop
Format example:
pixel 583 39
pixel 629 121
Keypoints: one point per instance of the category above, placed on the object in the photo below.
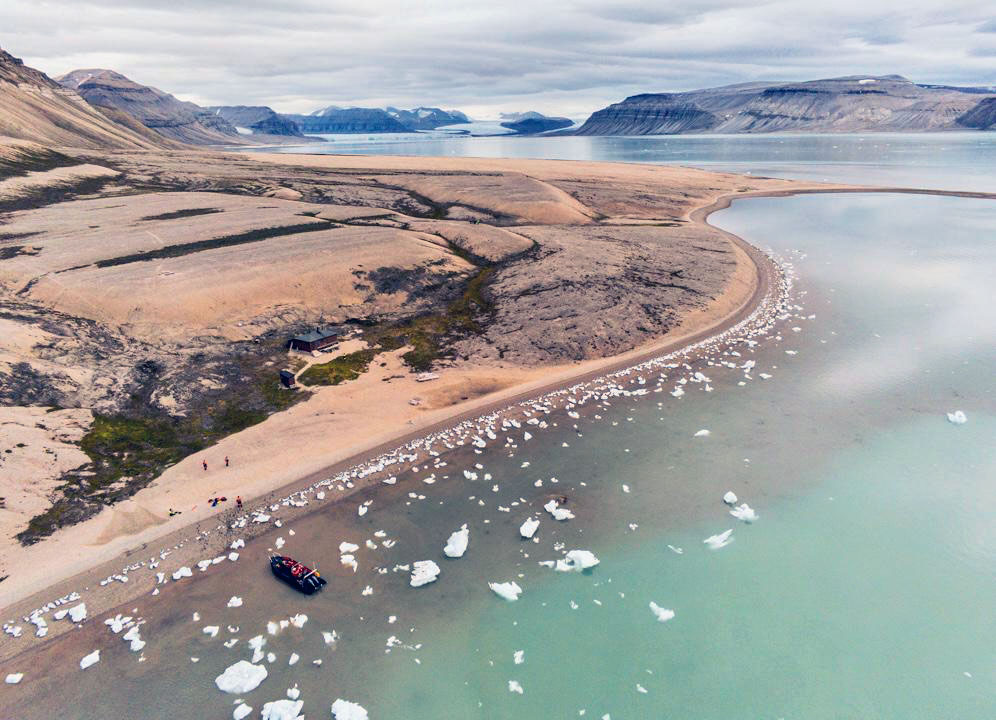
pixel 258 119
pixel 181 121
pixel 34 107
pixel 427 118
pixel 980 117
pixel 533 123
pixel 847 104
pixel 334 120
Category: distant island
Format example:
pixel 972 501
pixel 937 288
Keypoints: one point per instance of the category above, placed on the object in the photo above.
pixel 857 103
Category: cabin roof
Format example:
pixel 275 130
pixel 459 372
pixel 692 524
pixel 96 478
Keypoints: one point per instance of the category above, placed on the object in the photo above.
pixel 318 334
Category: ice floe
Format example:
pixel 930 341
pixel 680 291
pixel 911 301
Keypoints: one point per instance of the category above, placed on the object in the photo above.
pixel 957 417
pixel 744 512
pixel 240 678
pixel 715 542
pixel 576 561
pixel 528 528
pixel 456 546
pixel 345 710
pixel 507 590
pixel 424 572
pixel 282 709
pixel 662 614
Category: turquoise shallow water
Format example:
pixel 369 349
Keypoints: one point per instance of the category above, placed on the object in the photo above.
pixel 866 589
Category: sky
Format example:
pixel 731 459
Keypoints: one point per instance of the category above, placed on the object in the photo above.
pixel 553 56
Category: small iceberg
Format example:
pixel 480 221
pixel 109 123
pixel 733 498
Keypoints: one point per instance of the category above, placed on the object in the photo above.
pixel 514 686
pixel 576 561
pixel 241 711
pixel 424 572
pixel 528 528
pixel 559 513
pixel 345 710
pixel 91 659
pixel 241 678
pixel 744 512
pixel 957 417
pixel 662 614
pixel 730 498
pixel 715 542
pixel 78 613
pixel 282 710
pixel 702 433
pixel 14 678
pixel 519 656
pixel 456 546
pixel 508 590
pixel 235 601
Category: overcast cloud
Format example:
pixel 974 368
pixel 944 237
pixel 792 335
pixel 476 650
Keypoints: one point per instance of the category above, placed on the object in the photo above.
pixel 563 58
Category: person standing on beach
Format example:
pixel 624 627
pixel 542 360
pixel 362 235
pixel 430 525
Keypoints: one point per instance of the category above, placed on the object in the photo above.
pixel 205 463
pixel 238 501
pixel 226 461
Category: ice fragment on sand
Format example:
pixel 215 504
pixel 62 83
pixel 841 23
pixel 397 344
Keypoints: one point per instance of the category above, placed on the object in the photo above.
pixel 182 573
pixel 13 678
pixel 528 528
pixel 514 686
pixel 957 417
pixel 576 561
pixel 744 512
pixel 456 546
pixel 241 711
pixel 345 710
pixel 424 572
pixel 91 659
pixel 292 660
pixel 508 590
pixel 730 498
pixel 211 630
pixel 662 614
pixel 348 547
pixel 702 433
pixel 235 601
pixel 715 542
pixel 279 543
pixel 282 710
pixel 78 614
pixel 293 693
pixel 241 678
pixel 299 620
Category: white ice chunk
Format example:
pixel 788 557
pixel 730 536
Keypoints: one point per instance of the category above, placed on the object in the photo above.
pixel 957 417
pixel 211 630
pixel 558 512
pixel 508 590
pixel 702 433
pixel 528 528
pixel 282 710
pixel 744 512
pixel 241 711
pixel 576 561
pixel 78 614
pixel 91 659
pixel 241 678
pixel 456 546
pixel 514 686
pixel 13 678
pixel 182 573
pixel 345 710
pixel 519 656
pixel 347 547
pixel 730 498
pixel 235 601
pixel 662 614
pixel 715 542
pixel 424 572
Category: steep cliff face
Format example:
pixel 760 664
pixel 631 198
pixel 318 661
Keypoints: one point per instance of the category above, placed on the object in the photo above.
pixel 427 118
pixel 333 120
pixel 980 117
pixel 34 107
pixel 259 119
pixel 848 104
pixel 174 119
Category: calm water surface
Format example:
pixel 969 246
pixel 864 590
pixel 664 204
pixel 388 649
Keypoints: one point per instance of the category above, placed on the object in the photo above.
pixel 950 161
pixel 865 590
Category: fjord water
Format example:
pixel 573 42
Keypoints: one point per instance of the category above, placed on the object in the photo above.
pixel 950 161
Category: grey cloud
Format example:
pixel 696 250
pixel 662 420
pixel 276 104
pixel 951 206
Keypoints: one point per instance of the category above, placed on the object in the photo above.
pixel 557 56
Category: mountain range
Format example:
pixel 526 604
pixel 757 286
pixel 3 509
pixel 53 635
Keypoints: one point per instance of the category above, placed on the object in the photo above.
pixel 335 120
pixel 887 103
